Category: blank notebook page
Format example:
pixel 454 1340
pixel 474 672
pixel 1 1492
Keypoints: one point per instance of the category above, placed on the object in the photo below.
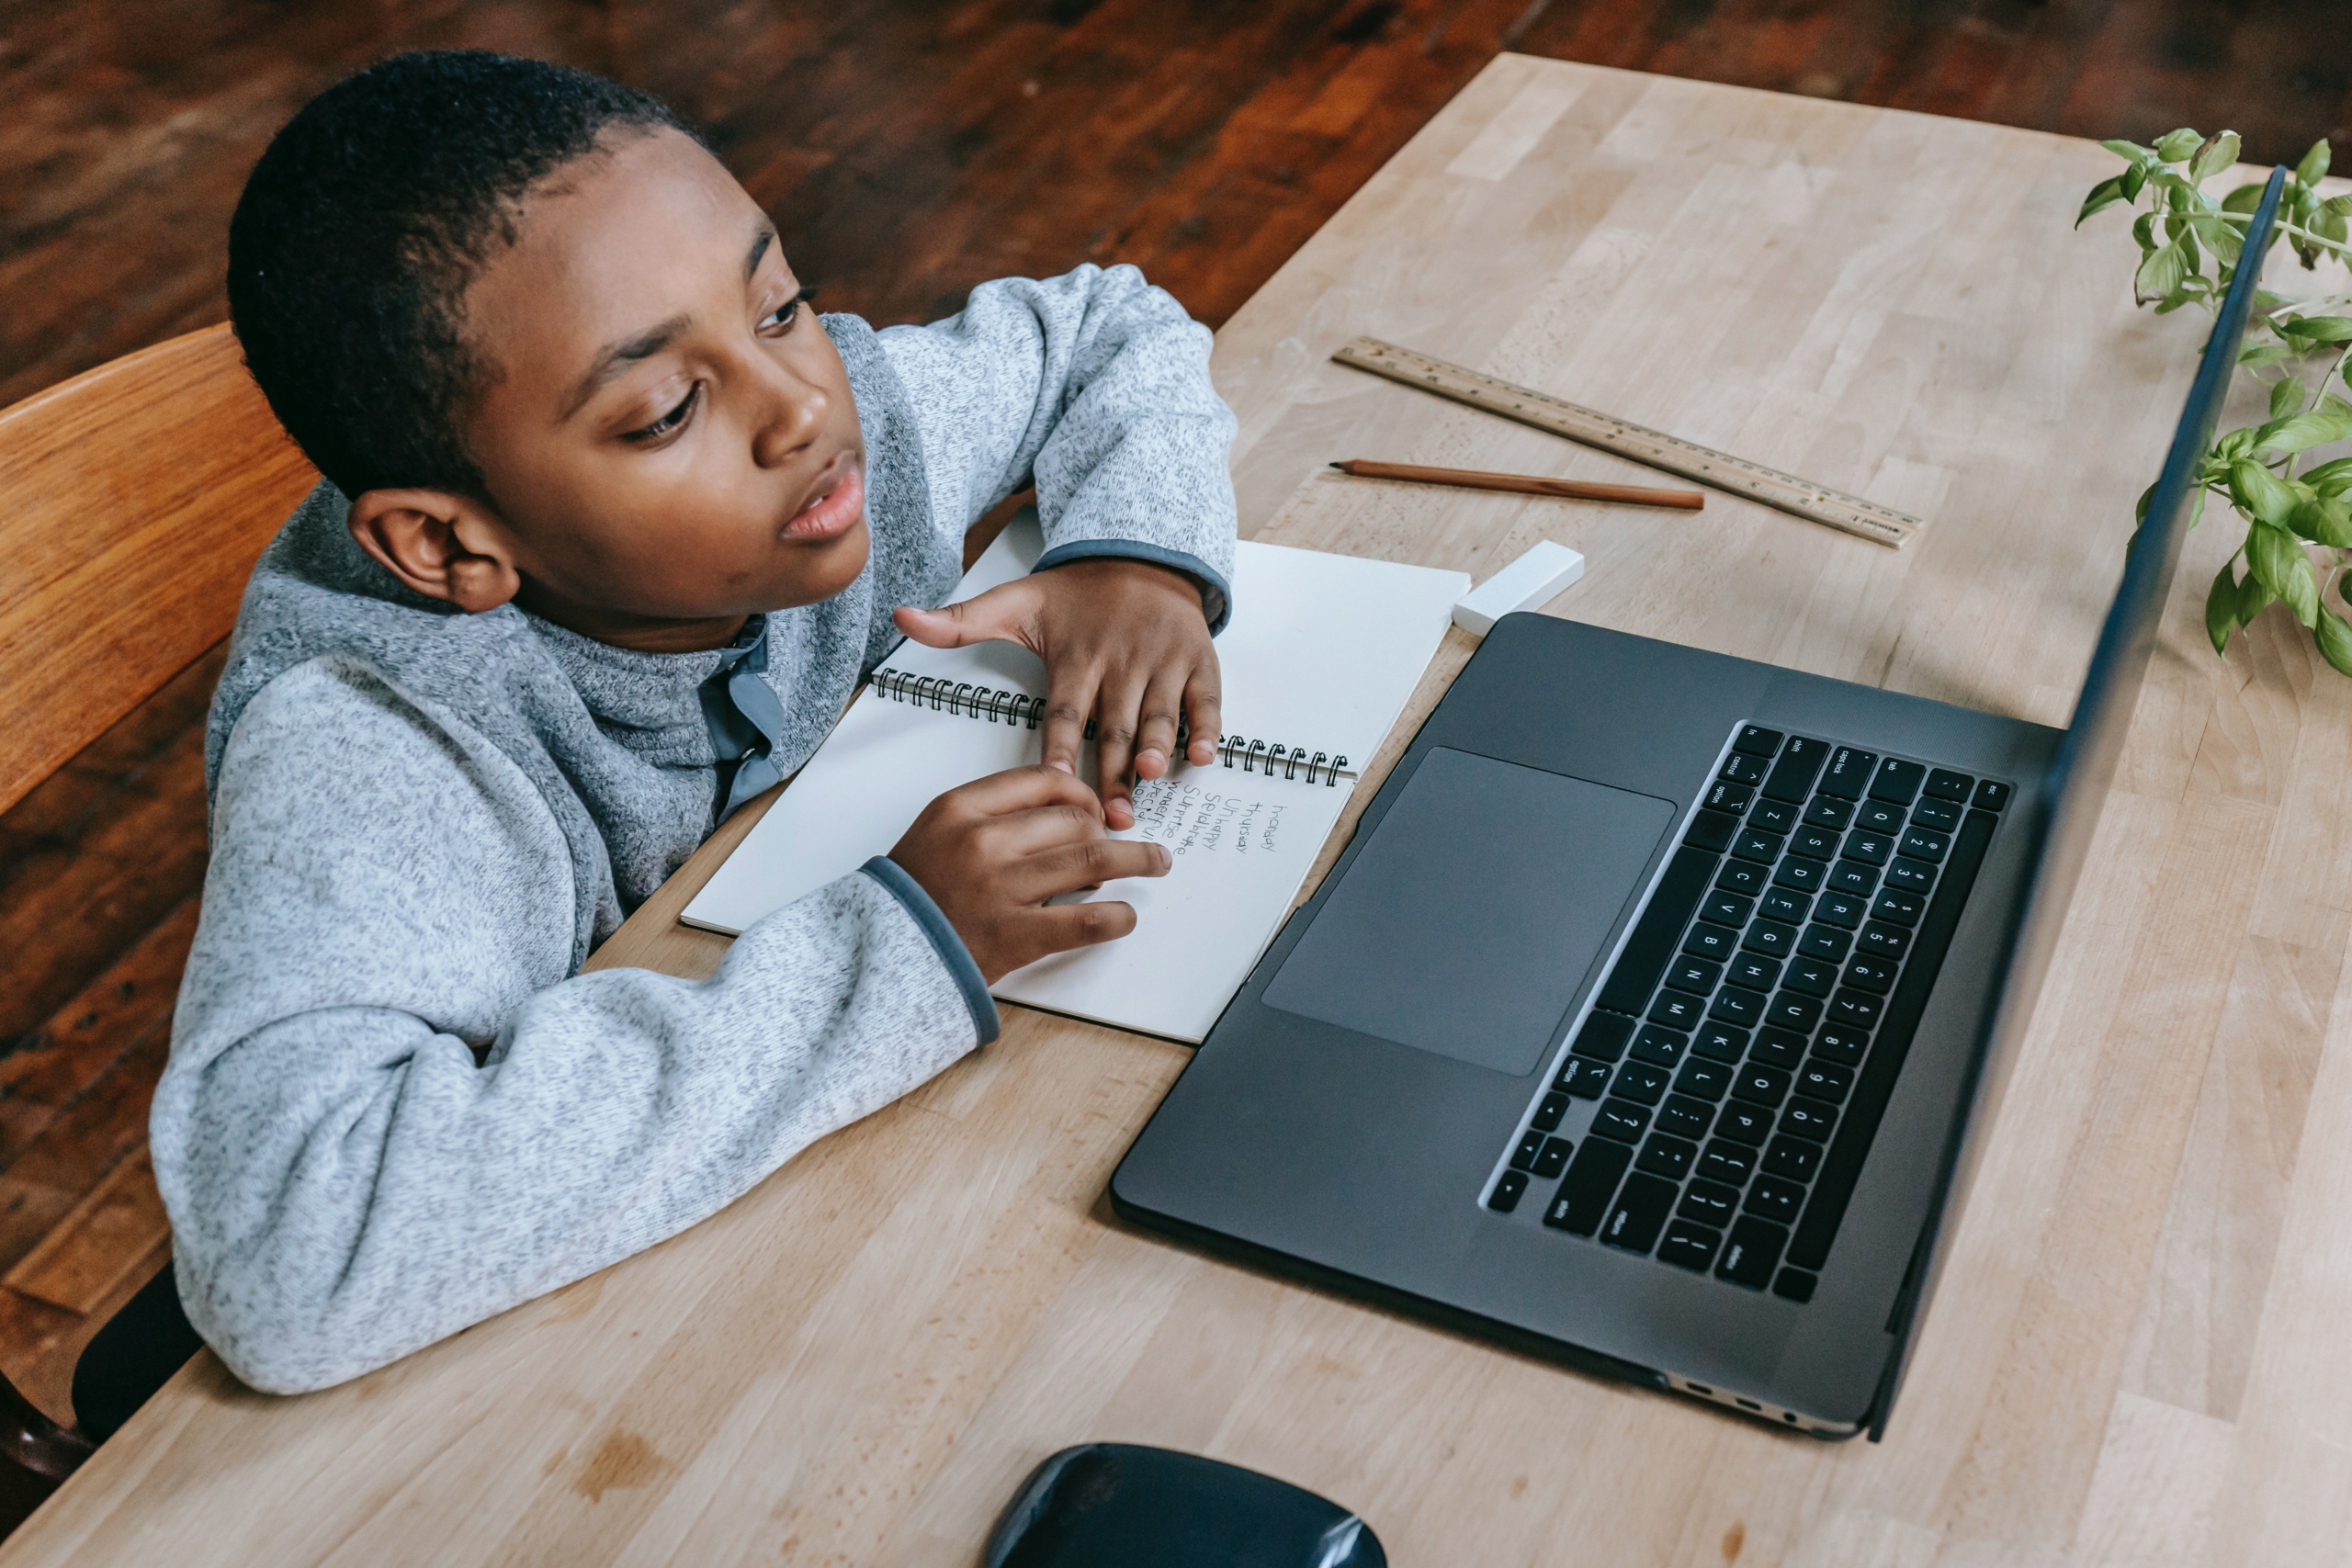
pixel 1322 652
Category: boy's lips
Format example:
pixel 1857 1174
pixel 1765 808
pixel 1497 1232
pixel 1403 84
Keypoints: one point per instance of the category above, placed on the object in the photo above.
pixel 834 507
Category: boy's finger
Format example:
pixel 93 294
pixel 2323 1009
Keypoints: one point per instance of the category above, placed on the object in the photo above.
pixel 1069 699
pixel 1156 736
pixel 1018 834
pixel 1090 863
pixel 1064 926
pixel 1026 789
pixel 1007 612
pixel 1115 710
pixel 1205 713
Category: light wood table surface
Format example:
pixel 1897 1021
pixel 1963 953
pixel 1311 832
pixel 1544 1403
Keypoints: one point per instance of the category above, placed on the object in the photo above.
pixel 2133 1357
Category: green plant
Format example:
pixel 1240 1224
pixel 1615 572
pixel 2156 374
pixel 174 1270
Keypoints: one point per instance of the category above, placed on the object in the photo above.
pixel 2190 247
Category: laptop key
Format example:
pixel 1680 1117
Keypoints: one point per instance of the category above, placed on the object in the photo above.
pixel 1785 905
pixel 1639 1082
pixel 1604 1036
pixel 1756 740
pixel 1878 817
pixel 1741 768
pixel 1874 1085
pixel 1803 1118
pixel 1792 1159
pixel 1754 971
pixel 1728 1163
pixel 1838 907
pixel 1936 816
pixel 1921 844
pixel 1710 829
pixel 1790 1010
pixel 1869 844
pixel 1945 784
pixel 1685 1117
pixel 1828 811
pixel 1583 1195
pixel 1991 794
pixel 1911 875
pixel 1710 941
pixel 1774 816
pixel 1858 1008
pixel 1721 1042
pixel 1677 1010
pixel 1663 1156
pixel 1800 762
pixel 1547 1114
pixel 1813 843
pixel 1853 876
pixel 1884 942
pixel 1640 1212
pixel 1795 1285
pixel 1769 937
pixel 1554 1159
pixel 1655 935
pixel 1776 1199
pixel 1811 976
pixel 1726 909
pixel 1697 976
pixel 1805 875
pixel 1779 1048
pixel 1763 1086
pixel 1742 876
pixel 1706 1080
pixel 1760 847
pixel 1875 975
pixel 1689 1246
pixel 1658 1048
pixel 1897 905
pixel 1508 1191
pixel 1897 780
pixel 1709 1202
pixel 1848 773
pixel 1840 1045
pixel 1726 795
pixel 1744 1123
pixel 1531 1144
pixel 1582 1080
pixel 1824 942
pixel 1620 1120
pixel 1825 1080
pixel 1734 1004
pixel 1751 1252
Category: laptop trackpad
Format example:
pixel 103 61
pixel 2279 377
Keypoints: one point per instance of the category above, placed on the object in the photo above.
pixel 1468 922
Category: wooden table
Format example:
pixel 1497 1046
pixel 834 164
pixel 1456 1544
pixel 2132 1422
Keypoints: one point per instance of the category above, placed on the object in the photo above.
pixel 2131 1358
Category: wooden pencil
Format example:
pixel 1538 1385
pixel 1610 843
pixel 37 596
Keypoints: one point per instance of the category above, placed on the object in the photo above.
pixel 1524 484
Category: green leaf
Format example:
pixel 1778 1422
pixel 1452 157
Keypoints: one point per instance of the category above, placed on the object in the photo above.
pixel 2261 495
pixel 2318 329
pixel 2255 353
pixel 2219 150
pixel 2276 559
pixel 2334 638
pixel 2131 150
pixel 2160 273
pixel 2286 397
pixel 2302 431
pixel 2135 180
pixel 2314 164
pixel 2222 608
pixel 2339 205
pixel 2221 239
pixel 2323 521
pixel 2331 478
pixel 2176 146
pixel 2104 195
pixel 2245 198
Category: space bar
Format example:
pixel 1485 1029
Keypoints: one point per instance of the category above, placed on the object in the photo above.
pixel 1875 1087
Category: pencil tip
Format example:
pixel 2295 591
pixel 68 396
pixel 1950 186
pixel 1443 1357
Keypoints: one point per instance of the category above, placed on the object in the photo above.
pixel 1341 466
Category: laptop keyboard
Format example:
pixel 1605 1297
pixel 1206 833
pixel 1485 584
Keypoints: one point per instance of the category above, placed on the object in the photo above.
pixel 1743 1047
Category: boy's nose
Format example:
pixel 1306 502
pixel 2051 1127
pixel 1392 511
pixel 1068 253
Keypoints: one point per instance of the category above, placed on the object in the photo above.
pixel 792 412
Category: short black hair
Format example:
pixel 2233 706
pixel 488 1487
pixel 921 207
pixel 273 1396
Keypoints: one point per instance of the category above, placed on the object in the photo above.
pixel 362 226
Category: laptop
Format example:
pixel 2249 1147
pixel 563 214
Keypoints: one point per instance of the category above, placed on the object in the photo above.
pixel 1648 1020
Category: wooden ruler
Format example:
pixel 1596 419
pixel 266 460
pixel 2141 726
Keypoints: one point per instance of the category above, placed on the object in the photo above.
pixel 1847 513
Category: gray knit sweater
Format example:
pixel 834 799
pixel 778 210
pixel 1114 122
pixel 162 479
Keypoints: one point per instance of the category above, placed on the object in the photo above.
pixel 424 821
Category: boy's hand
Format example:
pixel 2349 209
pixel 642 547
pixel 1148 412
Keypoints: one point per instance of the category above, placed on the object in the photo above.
pixel 991 853
pixel 1124 645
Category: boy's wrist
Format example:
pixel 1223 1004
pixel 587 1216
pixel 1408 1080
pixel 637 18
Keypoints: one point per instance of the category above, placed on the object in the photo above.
pixel 1215 593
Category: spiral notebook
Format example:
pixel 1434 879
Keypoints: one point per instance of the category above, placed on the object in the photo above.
pixel 1321 655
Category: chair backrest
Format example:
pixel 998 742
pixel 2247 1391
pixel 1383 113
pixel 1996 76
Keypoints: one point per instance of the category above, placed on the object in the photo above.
pixel 133 502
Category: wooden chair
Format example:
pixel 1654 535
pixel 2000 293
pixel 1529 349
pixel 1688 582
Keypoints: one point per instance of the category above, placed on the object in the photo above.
pixel 133 502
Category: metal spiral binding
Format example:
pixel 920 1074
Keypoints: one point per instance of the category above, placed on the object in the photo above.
pixel 998 707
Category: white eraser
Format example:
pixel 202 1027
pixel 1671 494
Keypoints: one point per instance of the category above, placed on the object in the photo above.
pixel 1525 583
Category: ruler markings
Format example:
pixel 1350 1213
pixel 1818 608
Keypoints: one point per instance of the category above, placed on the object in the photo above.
pixel 1819 503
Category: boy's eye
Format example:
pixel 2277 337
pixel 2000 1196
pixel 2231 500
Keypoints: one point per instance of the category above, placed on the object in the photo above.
pixel 668 422
pixel 783 315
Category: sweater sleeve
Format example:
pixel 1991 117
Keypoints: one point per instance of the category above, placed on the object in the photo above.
pixel 389 895
pixel 1097 384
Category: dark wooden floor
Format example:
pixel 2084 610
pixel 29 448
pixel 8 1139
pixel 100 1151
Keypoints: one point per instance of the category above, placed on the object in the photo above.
pixel 908 149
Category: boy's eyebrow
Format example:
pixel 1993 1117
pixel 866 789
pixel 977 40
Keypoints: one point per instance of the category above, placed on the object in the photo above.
pixel 615 355
pixel 760 243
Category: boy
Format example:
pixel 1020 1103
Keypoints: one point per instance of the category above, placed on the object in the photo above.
pixel 614 526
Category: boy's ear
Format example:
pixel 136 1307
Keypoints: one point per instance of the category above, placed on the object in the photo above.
pixel 444 546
